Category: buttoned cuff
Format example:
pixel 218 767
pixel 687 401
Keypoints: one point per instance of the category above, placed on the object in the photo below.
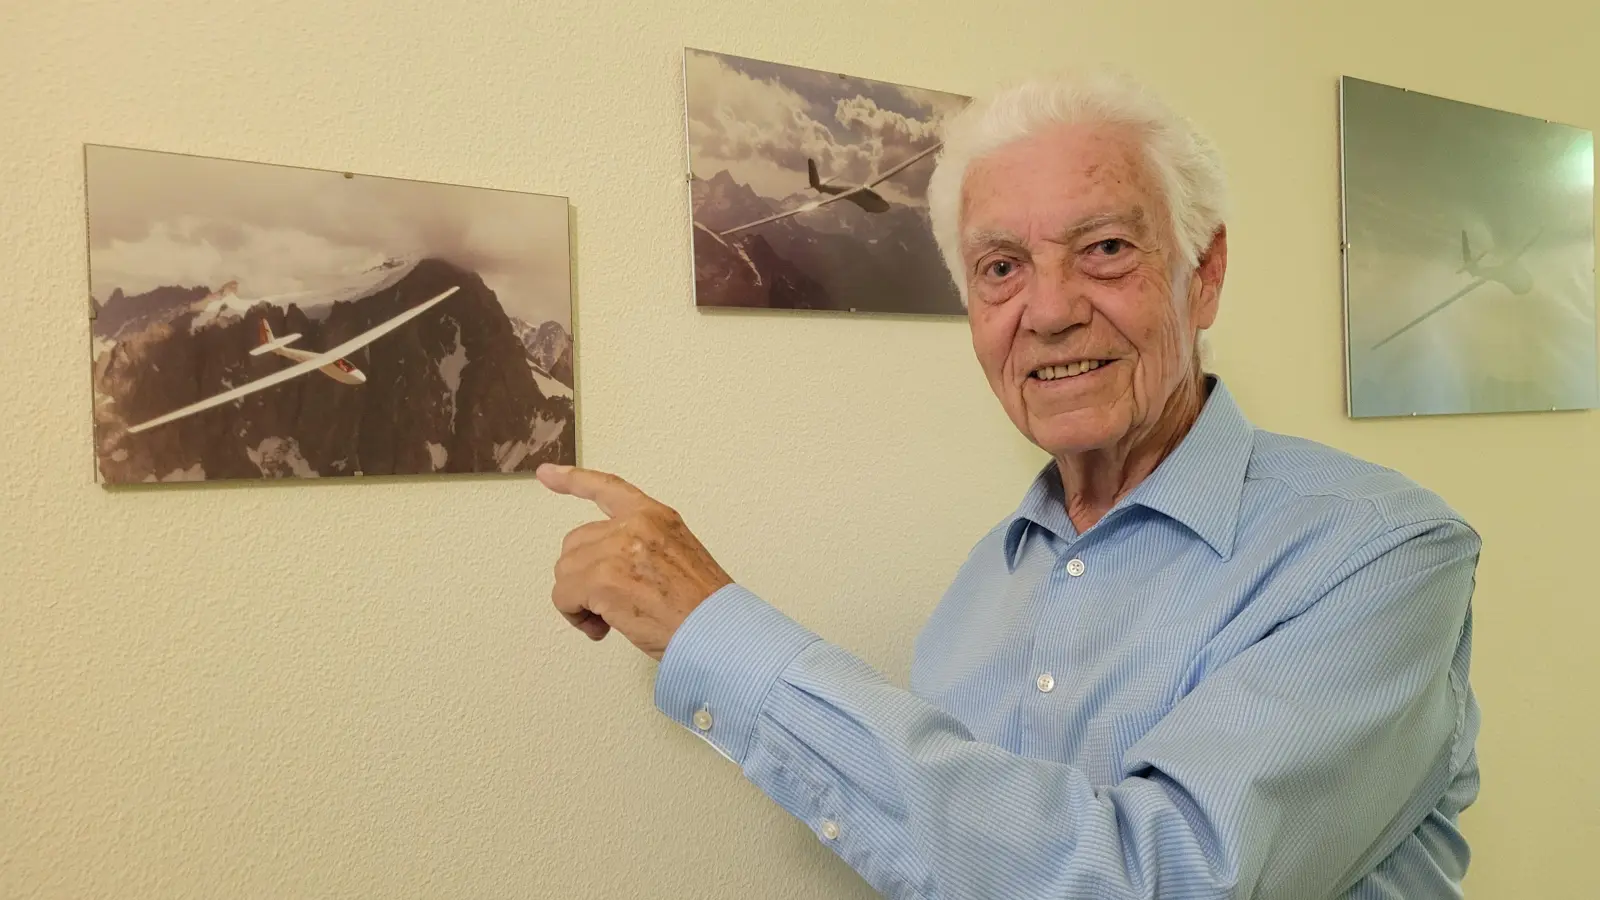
pixel 721 663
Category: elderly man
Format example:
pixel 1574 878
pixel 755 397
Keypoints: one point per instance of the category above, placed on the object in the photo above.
pixel 1199 660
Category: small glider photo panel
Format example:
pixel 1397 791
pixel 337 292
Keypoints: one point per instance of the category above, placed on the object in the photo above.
pixel 1469 257
pixel 256 321
pixel 808 189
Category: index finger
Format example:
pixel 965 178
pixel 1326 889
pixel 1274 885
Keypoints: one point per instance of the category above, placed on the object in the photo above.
pixel 613 495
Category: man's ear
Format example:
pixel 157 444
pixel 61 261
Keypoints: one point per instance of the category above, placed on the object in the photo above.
pixel 1205 288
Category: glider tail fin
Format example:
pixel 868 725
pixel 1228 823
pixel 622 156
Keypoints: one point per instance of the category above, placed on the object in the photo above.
pixel 1467 262
pixel 267 342
pixel 811 173
pixel 263 339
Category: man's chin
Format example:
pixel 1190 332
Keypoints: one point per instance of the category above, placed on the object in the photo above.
pixel 1068 434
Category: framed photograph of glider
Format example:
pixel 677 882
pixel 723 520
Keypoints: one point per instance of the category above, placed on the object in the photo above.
pixel 1469 254
pixel 260 321
pixel 807 189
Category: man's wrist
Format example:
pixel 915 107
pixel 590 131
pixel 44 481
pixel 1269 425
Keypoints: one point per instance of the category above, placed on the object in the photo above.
pixel 721 663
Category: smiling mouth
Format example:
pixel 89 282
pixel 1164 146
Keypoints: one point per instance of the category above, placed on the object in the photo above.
pixel 1070 370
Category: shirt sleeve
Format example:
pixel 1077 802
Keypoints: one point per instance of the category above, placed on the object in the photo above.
pixel 1272 778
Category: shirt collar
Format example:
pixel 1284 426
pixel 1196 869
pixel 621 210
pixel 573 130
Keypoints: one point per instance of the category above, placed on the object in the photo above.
pixel 1199 484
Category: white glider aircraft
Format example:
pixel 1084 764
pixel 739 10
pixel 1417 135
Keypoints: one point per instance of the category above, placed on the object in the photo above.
pixel 331 362
pixel 1510 273
pixel 861 194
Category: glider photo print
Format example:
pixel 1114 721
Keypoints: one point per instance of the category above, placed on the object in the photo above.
pixel 808 189
pixel 1469 257
pixel 256 321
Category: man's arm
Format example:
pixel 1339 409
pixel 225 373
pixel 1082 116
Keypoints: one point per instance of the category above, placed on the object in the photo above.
pixel 1271 779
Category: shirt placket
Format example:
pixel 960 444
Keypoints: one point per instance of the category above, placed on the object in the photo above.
pixel 1050 661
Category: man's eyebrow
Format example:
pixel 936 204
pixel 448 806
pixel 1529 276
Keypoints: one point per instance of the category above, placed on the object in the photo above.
pixel 984 238
pixel 991 237
pixel 1133 220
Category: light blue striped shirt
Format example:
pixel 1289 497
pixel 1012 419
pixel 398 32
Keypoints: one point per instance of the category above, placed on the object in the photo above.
pixel 1249 679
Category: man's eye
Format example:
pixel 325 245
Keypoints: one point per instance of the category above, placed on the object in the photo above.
pixel 1000 268
pixel 1110 246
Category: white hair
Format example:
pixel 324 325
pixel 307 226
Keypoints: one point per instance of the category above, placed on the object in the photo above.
pixel 1192 179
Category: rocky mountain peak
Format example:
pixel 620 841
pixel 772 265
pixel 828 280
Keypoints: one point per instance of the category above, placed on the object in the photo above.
pixel 449 392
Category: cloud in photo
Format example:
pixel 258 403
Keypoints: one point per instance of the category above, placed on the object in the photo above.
pixel 761 121
pixel 170 219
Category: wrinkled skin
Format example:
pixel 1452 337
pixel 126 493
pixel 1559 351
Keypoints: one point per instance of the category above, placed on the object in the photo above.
pixel 1069 255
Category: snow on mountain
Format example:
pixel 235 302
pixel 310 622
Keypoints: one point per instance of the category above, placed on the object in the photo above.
pixel 545 341
pixel 438 454
pixel 316 302
pixel 278 457
pixel 546 430
pixel 547 385
pixel 549 347
pixel 195 472
pixel 510 454
pixel 218 305
pixel 450 366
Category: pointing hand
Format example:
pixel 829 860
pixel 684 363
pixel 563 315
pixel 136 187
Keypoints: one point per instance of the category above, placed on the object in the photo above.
pixel 639 571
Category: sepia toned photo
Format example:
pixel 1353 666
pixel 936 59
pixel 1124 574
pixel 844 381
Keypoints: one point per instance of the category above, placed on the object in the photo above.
pixel 808 189
pixel 1469 257
pixel 258 321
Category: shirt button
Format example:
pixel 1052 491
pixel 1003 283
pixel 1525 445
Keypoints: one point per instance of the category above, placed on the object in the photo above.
pixel 1075 568
pixel 830 829
pixel 702 719
pixel 1047 683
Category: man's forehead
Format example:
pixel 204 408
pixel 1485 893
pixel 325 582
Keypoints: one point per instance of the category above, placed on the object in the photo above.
pixel 1060 181
pixel 1090 152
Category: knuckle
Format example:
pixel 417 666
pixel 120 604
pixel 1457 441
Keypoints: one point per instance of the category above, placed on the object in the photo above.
pixel 572 539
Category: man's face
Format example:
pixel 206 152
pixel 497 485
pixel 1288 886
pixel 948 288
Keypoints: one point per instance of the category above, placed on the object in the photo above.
pixel 1068 257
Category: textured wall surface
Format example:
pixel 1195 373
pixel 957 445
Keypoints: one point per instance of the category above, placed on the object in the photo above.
pixel 360 690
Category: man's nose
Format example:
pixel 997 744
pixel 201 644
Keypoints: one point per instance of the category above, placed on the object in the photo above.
pixel 1056 302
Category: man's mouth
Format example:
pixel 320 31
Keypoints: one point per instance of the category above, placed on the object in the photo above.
pixel 1070 370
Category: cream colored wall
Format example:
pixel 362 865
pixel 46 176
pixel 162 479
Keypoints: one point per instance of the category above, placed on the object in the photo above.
pixel 360 690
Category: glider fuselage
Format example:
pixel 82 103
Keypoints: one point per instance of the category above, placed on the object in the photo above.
pixel 339 370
